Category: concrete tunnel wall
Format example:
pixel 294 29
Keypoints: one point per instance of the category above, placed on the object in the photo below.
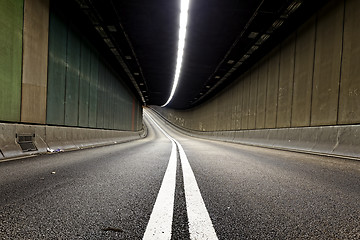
pixel 302 95
pixel 55 85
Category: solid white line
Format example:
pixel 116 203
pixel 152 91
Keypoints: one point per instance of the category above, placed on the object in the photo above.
pixel 200 225
pixel 160 223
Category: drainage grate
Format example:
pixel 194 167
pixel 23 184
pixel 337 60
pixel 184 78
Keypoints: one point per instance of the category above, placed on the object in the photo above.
pixel 26 142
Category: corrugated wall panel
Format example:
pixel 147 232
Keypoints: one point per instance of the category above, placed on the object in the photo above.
pixel 83 90
pixel 56 71
pixel 100 97
pixel 72 80
pixel 107 104
pixel 11 25
pixel 93 92
pixel 112 103
pixel 84 87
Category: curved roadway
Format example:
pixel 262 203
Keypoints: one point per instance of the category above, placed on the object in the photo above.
pixel 169 185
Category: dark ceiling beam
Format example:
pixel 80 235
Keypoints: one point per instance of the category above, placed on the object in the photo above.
pixel 258 38
pixel 106 32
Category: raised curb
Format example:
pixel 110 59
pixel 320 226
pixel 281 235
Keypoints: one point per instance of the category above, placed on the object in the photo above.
pixel 339 141
pixel 49 139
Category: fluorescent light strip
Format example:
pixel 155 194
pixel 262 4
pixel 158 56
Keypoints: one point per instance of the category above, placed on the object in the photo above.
pixel 181 44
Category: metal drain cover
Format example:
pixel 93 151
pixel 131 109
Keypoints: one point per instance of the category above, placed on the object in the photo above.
pixel 26 142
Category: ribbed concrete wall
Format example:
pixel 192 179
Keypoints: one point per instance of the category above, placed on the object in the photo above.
pixel 52 139
pixel 311 79
pixel 304 95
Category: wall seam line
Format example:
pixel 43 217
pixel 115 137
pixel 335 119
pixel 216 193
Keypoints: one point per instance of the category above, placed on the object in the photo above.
pixel 293 80
pixel 341 63
pixel 313 71
pixel 22 64
pixel 278 85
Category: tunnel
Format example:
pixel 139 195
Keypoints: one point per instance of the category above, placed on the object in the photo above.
pixel 185 119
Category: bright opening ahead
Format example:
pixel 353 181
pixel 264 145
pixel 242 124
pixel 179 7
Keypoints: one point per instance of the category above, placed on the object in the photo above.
pixel 181 44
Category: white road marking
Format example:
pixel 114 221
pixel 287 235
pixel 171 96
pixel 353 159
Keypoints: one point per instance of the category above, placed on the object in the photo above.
pixel 200 225
pixel 160 223
pixel 159 226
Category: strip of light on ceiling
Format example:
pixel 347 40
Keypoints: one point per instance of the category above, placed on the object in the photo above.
pixel 181 44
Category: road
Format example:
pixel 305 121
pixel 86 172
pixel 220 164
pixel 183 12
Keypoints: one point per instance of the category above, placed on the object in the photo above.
pixel 169 185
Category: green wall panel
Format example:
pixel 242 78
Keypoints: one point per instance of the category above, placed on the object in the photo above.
pixel 106 105
pixel 100 97
pixel 94 81
pixel 121 109
pixel 56 71
pixel 117 115
pixel 72 80
pixel 111 102
pixel 83 91
pixel 11 25
pixel 84 86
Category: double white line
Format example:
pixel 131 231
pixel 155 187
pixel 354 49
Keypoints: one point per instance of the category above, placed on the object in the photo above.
pixel 160 223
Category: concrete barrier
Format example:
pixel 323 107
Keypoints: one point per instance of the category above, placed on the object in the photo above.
pixel 50 139
pixel 341 140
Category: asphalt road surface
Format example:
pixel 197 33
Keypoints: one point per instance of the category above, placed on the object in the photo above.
pixel 171 186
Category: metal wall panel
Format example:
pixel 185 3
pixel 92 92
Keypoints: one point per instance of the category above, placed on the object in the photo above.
pixel 101 97
pixel 93 92
pixel 83 90
pixel 112 103
pixel 106 98
pixel 56 71
pixel 84 85
pixel 121 108
pixel 116 107
pixel 72 80
pixel 11 27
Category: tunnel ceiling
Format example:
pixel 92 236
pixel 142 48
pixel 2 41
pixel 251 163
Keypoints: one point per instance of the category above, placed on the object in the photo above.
pixel 224 39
